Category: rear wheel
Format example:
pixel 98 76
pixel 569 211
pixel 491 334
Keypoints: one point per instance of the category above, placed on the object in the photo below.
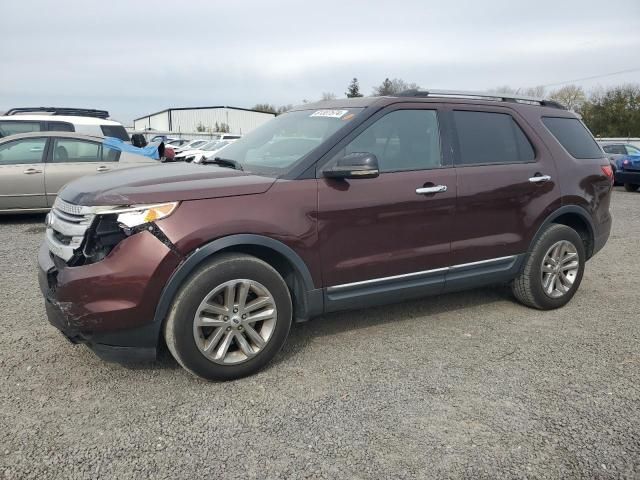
pixel 553 270
pixel 230 318
pixel 631 187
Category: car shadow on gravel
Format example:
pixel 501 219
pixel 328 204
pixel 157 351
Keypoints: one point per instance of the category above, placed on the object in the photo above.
pixel 340 322
pixel 336 323
pixel 33 221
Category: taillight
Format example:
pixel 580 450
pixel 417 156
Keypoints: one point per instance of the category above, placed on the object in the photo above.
pixel 608 171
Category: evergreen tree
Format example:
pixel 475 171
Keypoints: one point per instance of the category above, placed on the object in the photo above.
pixel 353 90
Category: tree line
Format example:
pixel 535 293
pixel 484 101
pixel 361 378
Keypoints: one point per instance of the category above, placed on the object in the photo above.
pixel 608 112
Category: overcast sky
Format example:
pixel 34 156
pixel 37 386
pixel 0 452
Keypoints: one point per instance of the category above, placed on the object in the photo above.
pixel 134 57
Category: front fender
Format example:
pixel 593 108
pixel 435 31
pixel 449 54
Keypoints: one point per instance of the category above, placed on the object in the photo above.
pixel 204 252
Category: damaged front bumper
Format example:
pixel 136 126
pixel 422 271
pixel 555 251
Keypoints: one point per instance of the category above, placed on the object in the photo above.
pixel 109 305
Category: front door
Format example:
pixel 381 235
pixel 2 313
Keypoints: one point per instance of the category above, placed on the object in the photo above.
pixel 22 174
pixel 388 238
pixel 507 184
pixel 71 158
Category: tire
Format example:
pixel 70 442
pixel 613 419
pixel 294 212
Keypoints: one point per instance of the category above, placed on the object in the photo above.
pixel 197 318
pixel 631 187
pixel 529 286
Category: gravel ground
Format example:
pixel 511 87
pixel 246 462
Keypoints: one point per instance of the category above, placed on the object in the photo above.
pixel 468 385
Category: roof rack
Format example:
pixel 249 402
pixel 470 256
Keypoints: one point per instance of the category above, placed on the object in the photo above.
pixel 75 112
pixel 498 97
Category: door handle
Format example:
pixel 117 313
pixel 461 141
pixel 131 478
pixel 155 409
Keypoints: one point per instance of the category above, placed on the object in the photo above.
pixel 102 168
pixel 31 171
pixel 434 189
pixel 540 178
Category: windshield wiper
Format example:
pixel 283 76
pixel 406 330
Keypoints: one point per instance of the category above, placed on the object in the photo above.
pixel 224 162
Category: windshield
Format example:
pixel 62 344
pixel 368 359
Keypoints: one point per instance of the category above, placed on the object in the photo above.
pixel 208 145
pixel 279 143
pixel 215 145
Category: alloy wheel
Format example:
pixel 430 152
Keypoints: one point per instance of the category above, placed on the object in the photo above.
pixel 559 269
pixel 235 321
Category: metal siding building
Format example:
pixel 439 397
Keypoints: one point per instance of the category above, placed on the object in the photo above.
pixel 187 120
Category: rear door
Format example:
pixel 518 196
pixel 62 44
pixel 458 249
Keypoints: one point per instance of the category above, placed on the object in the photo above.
pixel 507 183
pixel 22 174
pixel 71 158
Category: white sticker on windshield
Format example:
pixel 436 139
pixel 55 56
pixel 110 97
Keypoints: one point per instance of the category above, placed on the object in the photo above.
pixel 329 113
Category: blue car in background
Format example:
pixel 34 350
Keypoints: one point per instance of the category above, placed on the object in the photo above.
pixel 625 161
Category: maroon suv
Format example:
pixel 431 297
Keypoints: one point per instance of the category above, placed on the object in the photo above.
pixel 335 205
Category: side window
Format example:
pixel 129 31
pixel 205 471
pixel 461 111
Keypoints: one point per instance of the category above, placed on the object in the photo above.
pixel 110 154
pixel 402 140
pixel 60 127
pixel 488 137
pixel 72 150
pixel 29 150
pixel 115 131
pixel 573 136
pixel 614 149
pixel 14 127
pixel 631 150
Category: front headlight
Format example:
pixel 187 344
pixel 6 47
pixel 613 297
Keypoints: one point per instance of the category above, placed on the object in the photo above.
pixel 140 214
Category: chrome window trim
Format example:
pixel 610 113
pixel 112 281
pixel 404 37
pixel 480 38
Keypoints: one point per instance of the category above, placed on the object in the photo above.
pixel 344 286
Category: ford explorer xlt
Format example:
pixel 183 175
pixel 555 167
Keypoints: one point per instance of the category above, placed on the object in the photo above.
pixel 336 205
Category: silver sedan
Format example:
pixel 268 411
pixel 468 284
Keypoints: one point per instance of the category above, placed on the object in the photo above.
pixel 35 166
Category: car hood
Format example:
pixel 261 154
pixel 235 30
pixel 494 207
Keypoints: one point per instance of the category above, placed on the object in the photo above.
pixel 163 183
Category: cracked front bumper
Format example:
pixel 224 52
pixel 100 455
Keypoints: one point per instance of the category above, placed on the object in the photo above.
pixel 110 305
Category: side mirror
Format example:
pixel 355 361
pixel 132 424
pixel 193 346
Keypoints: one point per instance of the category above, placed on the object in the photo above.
pixel 354 165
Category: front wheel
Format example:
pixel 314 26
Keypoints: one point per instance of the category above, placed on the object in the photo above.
pixel 631 187
pixel 230 318
pixel 553 269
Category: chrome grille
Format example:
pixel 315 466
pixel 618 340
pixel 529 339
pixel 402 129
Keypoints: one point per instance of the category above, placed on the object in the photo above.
pixel 67 225
pixel 67 207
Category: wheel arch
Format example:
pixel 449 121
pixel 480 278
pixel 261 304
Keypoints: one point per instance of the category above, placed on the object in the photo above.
pixel 307 300
pixel 574 217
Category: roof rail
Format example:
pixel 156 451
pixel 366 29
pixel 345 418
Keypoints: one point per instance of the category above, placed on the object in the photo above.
pixel 76 112
pixel 498 97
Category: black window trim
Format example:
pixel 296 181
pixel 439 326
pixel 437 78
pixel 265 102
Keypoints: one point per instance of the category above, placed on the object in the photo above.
pixel 443 127
pixel 526 131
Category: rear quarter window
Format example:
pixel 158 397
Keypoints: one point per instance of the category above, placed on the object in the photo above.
pixel 115 131
pixel 573 136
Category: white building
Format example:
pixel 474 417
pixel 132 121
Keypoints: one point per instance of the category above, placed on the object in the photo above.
pixel 190 120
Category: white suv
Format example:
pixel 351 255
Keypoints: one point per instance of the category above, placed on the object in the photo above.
pixel 84 121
